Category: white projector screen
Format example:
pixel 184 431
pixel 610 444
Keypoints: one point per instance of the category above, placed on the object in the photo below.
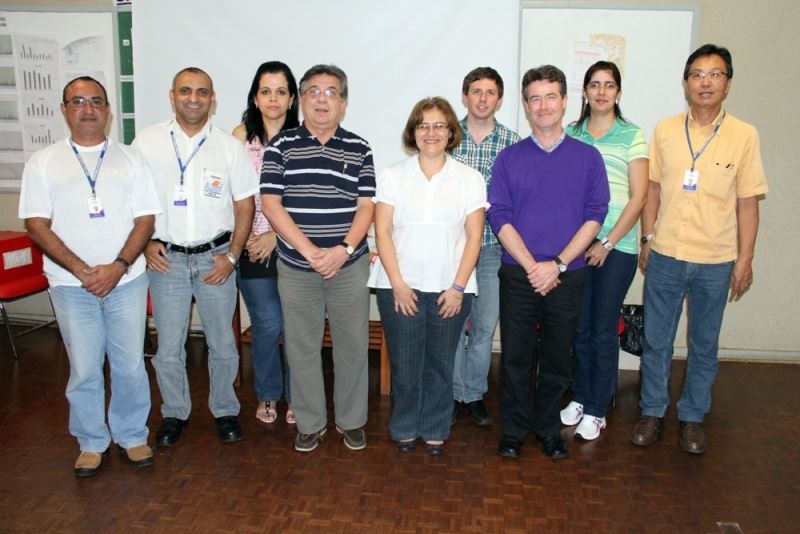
pixel 394 54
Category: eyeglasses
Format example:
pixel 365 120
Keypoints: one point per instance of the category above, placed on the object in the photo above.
pixel 610 86
pixel 713 75
pixel 437 127
pixel 316 92
pixel 79 101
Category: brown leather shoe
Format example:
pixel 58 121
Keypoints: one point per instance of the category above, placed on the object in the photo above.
pixel 693 439
pixel 88 463
pixel 647 430
pixel 140 455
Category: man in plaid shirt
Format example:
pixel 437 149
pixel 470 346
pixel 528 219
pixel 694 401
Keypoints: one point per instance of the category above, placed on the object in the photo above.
pixel 483 138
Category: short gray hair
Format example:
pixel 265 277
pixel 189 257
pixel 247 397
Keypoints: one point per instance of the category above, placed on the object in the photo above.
pixel 330 70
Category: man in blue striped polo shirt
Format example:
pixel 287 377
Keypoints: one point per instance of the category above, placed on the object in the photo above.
pixel 317 183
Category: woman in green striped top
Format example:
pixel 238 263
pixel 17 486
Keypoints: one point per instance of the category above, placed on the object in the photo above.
pixel 613 255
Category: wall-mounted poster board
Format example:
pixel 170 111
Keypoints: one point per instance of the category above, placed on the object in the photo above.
pixel 39 53
pixel 649 44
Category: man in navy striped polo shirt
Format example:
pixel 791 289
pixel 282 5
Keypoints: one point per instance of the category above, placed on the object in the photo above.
pixel 317 183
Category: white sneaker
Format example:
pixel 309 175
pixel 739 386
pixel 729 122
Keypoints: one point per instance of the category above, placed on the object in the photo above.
pixel 590 427
pixel 572 414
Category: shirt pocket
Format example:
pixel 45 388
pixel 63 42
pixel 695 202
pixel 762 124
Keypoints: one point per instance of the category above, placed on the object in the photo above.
pixel 215 187
pixel 719 184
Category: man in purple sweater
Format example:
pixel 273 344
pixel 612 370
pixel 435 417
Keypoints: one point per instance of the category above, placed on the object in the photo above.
pixel 549 196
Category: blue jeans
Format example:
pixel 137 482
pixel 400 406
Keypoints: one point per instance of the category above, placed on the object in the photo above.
pixel 171 295
pixel 596 340
pixel 666 284
pixel 421 350
pixel 472 361
pixel 266 323
pixel 91 328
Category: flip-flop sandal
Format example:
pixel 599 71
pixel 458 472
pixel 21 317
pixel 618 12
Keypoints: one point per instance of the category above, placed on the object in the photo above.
pixel 290 416
pixel 268 414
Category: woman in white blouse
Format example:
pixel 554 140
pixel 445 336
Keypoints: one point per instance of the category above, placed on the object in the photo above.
pixel 428 229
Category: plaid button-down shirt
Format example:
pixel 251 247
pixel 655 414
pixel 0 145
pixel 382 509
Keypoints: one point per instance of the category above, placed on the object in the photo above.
pixel 481 158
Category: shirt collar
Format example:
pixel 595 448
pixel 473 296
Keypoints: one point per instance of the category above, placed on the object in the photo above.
pixel 415 168
pixel 555 145
pixel 716 120
pixel 465 128
pixel 175 127
pixel 302 130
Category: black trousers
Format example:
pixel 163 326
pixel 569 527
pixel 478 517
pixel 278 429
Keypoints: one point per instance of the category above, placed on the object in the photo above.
pixel 523 407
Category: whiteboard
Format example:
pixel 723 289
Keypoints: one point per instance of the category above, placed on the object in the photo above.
pixel 394 54
pixel 649 45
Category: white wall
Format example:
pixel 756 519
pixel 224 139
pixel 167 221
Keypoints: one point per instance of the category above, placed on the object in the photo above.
pixel 761 36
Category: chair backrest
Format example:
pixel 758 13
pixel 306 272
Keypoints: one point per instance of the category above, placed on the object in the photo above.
pixel 19 257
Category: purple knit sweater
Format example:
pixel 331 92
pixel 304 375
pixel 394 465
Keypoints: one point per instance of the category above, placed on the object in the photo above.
pixel 547 197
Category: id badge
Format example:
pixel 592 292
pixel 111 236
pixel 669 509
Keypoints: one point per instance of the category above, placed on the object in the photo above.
pixel 690 179
pixel 95 208
pixel 181 197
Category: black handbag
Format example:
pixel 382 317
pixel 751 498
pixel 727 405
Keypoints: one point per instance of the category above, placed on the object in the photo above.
pixel 632 338
pixel 255 269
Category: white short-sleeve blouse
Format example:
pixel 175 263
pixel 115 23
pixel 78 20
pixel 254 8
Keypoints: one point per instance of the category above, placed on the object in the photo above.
pixel 428 221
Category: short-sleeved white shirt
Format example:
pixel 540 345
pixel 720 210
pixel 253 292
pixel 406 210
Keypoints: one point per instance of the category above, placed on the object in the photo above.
pixel 428 222
pixel 218 174
pixel 54 186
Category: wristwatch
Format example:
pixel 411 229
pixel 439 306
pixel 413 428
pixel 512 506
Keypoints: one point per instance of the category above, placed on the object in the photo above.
pixel 608 245
pixel 348 248
pixel 232 259
pixel 562 267
pixel 125 263
pixel 646 239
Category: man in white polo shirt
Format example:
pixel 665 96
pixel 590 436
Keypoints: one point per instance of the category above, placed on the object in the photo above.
pixel 206 185
pixel 89 204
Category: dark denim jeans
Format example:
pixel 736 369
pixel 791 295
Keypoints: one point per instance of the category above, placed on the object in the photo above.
pixel 667 283
pixel 422 349
pixel 596 340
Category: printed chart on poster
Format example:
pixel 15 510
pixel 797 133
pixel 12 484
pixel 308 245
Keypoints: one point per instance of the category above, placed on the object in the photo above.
pixel 39 53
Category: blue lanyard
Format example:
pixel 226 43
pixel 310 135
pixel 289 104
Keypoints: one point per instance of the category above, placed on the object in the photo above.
pixel 696 156
pixel 181 165
pixel 91 179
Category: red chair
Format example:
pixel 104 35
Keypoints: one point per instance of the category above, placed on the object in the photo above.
pixel 21 275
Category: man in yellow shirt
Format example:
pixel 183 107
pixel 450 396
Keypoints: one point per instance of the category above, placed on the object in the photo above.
pixel 699 230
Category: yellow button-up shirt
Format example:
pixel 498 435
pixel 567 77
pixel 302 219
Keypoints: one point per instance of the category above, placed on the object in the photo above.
pixel 701 226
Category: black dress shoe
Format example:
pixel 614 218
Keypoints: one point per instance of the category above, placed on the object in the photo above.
pixel 554 447
pixel 406 446
pixel 228 428
pixel 170 431
pixel 510 447
pixel 434 449
pixel 479 413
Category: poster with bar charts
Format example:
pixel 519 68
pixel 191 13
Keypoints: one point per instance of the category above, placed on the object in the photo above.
pixel 39 53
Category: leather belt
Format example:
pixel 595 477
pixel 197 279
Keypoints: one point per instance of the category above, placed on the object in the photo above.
pixel 197 249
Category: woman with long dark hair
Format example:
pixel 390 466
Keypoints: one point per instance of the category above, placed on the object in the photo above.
pixel 613 255
pixel 271 108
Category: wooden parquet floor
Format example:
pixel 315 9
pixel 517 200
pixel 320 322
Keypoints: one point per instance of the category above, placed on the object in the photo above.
pixel 749 477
